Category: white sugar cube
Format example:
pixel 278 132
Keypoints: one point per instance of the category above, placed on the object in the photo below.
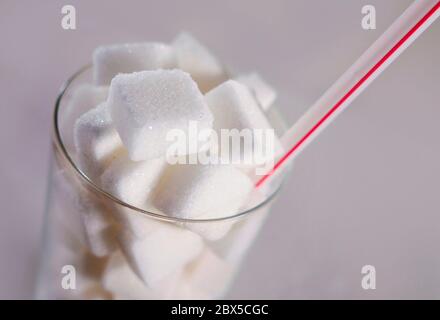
pixel 207 277
pixel 164 250
pixel 66 205
pixel 132 183
pixel 124 284
pixel 81 218
pixel 233 247
pixel 146 106
pixel 202 192
pixel 88 268
pixel 84 98
pixel 96 140
pixel 99 226
pixel 153 248
pixel 264 93
pixel 276 120
pixel 108 61
pixel 196 59
pixel 235 108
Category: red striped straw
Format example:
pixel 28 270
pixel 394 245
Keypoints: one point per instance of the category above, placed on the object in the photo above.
pixel 375 60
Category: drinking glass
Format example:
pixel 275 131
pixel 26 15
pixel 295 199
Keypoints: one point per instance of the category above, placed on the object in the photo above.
pixel 87 253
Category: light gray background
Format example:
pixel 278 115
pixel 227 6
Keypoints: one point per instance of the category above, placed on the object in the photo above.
pixel 365 192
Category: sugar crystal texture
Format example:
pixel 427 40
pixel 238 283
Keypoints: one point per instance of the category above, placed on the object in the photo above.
pixel 147 106
pixel 96 141
pixel 196 59
pixel 108 61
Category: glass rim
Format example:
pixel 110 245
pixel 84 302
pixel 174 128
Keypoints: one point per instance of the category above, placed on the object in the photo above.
pixel 60 144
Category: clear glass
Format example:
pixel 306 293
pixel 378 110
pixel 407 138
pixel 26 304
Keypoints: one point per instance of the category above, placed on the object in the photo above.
pixel 95 246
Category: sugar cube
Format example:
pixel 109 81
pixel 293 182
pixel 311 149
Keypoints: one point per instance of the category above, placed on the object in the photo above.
pixel 202 192
pixel 233 247
pixel 88 268
pixel 196 59
pixel 65 208
pixel 264 93
pixel 124 284
pixel 99 226
pixel 96 141
pixel 164 250
pixel 235 108
pixel 108 61
pixel 132 182
pixel 276 120
pixel 81 218
pixel 145 106
pixel 207 277
pixel 83 98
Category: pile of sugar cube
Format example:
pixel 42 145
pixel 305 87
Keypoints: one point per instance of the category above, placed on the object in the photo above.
pixel 120 123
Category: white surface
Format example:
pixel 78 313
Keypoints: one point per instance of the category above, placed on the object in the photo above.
pixel 366 191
